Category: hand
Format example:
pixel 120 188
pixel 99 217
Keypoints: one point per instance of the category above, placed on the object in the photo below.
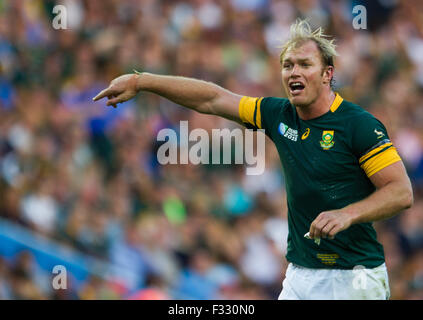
pixel 120 90
pixel 329 223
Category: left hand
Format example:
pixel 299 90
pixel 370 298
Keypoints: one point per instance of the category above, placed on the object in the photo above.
pixel 329 223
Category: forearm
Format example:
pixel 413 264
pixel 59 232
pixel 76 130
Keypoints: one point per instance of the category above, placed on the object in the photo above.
pixel 199 95
pixel 382 204
pixel 393 194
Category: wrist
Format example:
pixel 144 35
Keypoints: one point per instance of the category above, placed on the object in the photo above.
pixel 140 83
pixel 353 214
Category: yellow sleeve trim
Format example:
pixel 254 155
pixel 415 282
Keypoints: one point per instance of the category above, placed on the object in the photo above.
pixel 336 103
pixel 380 161
pixel 249 111
pixel 374 151
pixel 258 116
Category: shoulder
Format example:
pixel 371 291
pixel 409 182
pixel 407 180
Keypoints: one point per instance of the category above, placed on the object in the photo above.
pixel 356 118
pixel 274 105
pixel 272 110
pixel 365 131
pixel 275 102
pixel 354 112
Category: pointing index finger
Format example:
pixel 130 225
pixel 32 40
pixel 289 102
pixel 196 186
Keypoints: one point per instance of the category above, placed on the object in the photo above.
pixel 106 92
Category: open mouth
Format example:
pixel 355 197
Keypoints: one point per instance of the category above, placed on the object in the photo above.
pixel 296 87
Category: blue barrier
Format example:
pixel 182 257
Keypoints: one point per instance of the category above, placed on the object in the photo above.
pixel 48 253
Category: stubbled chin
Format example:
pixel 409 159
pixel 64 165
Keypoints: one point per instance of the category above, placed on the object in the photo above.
pixel 297 100
pixel 298 96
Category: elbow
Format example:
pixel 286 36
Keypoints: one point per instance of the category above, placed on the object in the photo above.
pixel 410 201
pixel 408 198
pixel 205 108
pixel 208 107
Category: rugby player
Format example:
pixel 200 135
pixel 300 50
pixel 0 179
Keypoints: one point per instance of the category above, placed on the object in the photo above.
pixel 342 171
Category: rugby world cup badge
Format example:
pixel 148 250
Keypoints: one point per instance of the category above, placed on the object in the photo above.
pixel 327 139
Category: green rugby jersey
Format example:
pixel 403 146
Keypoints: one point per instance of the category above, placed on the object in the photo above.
pixel 327 162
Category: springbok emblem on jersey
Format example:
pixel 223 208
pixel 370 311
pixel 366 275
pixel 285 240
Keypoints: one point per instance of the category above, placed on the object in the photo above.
pixel 380 134
pixel 327 139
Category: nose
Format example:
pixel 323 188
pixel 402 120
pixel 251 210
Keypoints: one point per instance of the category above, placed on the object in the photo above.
pixel 295 70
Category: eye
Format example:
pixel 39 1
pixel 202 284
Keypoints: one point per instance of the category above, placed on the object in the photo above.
pixel 287 65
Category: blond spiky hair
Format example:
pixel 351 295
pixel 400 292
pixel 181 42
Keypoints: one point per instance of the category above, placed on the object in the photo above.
pixel 301 32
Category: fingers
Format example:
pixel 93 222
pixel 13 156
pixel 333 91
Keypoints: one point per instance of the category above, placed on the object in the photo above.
pixel 115 100
pixel 111 97
pixel 313 227
pixel 122 97
pixel 334 231
pixel 106 92
pixel 325 225
pixel 327 229
pixel 111 94
pixel 316 227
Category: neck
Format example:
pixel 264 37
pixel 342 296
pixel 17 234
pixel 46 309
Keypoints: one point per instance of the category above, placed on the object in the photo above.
pixel 318 107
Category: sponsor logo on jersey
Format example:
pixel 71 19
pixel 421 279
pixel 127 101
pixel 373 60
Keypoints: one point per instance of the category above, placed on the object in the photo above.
pixel 305 134
pixel 379 134
pixel 327 139
pixel 288 132
pixel 328 258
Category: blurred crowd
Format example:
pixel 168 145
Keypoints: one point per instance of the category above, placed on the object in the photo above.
pixel 86 176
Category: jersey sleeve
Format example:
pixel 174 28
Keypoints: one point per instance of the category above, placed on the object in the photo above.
pixel 259 113
pixel 372 145
pixel 250 112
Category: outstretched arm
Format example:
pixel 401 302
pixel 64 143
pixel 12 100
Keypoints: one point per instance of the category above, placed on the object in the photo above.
pixel 198 95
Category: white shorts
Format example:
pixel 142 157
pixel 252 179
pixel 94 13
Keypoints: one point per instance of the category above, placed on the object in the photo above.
pixel 335 284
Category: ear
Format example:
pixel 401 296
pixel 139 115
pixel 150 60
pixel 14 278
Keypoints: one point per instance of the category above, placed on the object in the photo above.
pixel 327 74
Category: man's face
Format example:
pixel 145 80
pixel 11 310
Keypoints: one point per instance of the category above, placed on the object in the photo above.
pixel 302 74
